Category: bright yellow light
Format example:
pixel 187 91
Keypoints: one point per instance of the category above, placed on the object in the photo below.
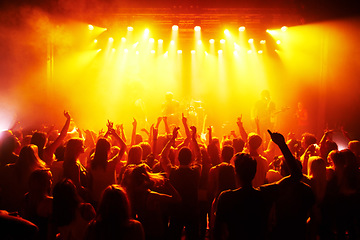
pixel 206 53
pixel 111 39
pixel 260 52
pixel 152 51
pixel 242 28
pixel 211 41
pixel 272 32
pixel 235 53
pixel 222 41
pixel 249 51
pixel 175 27
pixel 192 51
pixel 197 28
pixel 90 27
pixel 172 42
pixel 137 52
pixel 278 42
pixel 284 28
pixel 160 41
pixel 135 44
pixel 199 42
pixel 146 31
pixel 251 41
pixel 179 51
pixel 166 54
pixel 262 41
pixel 99 50
pixel 227 32
pixel 126 50
pixel 130 29
pixel 95 40
pixel 123 39
pixel 113 50
pixel 237 47
pixel 220 51
pixel 151 40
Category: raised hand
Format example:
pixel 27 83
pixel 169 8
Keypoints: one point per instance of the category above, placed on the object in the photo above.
pixel 134 123
pixel 183 119
pixel 239 121
pixel 277 138
pixel 175 132
pixel 193 130
pixel 67 115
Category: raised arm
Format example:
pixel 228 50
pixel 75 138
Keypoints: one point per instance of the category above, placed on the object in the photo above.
pixel 133 134
pixel 167 129
pixel 243 133
pixel 50 150
pixel 164 159
pixel 186 127
pixel 111 131
pixel 279 140
pixel 210 134
pixel 195 145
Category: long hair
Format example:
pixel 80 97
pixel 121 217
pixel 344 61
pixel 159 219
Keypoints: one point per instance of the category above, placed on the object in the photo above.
pixel 65 203
pixel 28 161
pixel 101 154
pixel 114 206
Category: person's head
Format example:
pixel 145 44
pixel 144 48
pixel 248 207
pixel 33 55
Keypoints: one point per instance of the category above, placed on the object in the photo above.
pixel 39 139
pixel 29 159
pixel 146 148
pixel 40 182
pixel 354 146
pixel 74 147
pixel 294 145
pixel 185 156
pixel 317 168
pixel 307 139
pixel 135 155
pixel 227 153
pixel 169 96
pixel 254 141
pixel 334 159
pixel 65 202
pixel 101 153
pixel 245 168
pixel 238 145
pixel 214 154
pixel 8 142
pixel 59 153
pixel 138 138
pixel 114 206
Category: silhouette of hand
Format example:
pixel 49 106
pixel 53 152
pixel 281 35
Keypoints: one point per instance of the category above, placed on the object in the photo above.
pixel 277 138
pixel 164 118
pixel 134 123
pixel 175 132
pixel 67 115
pixel 193 130
pixel 183 118
pixel 239 121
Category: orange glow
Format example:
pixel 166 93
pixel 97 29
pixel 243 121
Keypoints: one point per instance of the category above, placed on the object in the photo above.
pixel 91 27
pixel 175 27
pixel 197 28
pixel 242 29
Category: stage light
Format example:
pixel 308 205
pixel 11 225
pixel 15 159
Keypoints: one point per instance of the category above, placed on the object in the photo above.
pixel 260 52
pixel 242 28
pixel 151 40
pixel 262 41
pixel 113 50
pixel 278 42
pixel 98 50
pixel 160 41
pixel 172 42
pixel 111 39
pixel 95 40
pixel 206 53
pixel 199 42
pixel 227 32
pixel 222 41
pixel 130 29
pixel 90 27
pixel 284 28
pixel 135 44
pixel 237 47
pixel 211 41
pixel 166 54
pixel 251 41
pixel 123 39
pixel 137 52
pixel 146 31
pixel 126 50
pixel 197 28
pixel 249 51
pixel 179 51
pixel 220 52
pixel 175 27
pixel 235 53
pixel 152 51
pixel 192 51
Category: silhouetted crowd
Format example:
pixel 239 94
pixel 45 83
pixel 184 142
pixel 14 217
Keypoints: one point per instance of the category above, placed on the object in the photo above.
pixel 180 184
